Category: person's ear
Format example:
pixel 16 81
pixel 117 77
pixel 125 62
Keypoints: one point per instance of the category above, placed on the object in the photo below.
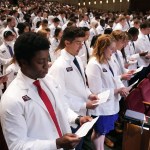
pixel 24 63
pixel 66 43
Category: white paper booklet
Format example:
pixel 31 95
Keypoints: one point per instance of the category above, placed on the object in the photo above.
pixel 138 70
pixel 130 87
pixel 135 56
pixel 103 97
pixel 135 115
pixel 83 130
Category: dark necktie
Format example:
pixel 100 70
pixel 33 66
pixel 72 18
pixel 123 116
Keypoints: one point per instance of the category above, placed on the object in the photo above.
pixel 111 70
pixel 148 37
pixel 48 105
pixel 128 24
pixel 63 21
pixel 14 31
pixel 133 45
pixel 87 52
pixel 10 50
pixel 77 65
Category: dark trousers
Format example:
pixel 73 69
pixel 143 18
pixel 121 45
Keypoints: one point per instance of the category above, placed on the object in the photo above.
pixel 79 146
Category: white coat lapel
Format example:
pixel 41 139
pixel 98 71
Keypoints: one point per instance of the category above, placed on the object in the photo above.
pixel 31 93
pixel 29 90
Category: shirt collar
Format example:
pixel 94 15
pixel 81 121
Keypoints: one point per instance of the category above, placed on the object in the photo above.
pixel 67 55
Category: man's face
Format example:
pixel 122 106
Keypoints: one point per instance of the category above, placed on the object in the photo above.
pixel 74 47
pixel 13 23
pixel 87 34
pixel 38 66
pixel 145 31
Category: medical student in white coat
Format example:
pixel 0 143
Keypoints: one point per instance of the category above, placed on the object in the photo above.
pixel 54 44
pixel 64 70
pixel 68 70
pixel 143 45
pixel 102 76
pixel 117 57
pixel 25 119
pixel 130 52
pixel 7 49
pixel 85 51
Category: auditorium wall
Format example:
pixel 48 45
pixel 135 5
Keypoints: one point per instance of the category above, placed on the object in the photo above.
pixel 111 5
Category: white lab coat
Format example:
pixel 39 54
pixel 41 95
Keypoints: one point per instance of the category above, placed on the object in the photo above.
pixel 84 24
pixel 12 70
pixel 54 45
pixel 72 83
pixel 83 52
pixel 130 52
pixel 118 27
pixel 100 29
pixel 52 28
pixel 142 45
pixel 62 21
pixel 25 119
pixel 5 54
pixel 100 79
pixel 8 29
pixel 93 32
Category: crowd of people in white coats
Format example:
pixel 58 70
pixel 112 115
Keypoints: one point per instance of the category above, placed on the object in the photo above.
pixel 55 61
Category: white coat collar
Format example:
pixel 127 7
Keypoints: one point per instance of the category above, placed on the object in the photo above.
pixel 66 55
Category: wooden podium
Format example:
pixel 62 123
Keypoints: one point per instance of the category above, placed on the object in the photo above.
pixel 133 139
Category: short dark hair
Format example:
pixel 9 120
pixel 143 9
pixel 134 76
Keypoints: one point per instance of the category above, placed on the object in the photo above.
pixel 56 20
pixel 144 25
pixel 28 44
pixel 9 19
pixel 6 34
pixel 70 33
pixel 44 21
pixel 57 31
pixel 133 31
pixel 85 29
pixel 21 26
pixel 108 31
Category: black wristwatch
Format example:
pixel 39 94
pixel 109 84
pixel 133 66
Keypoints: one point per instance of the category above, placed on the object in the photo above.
pixel 77 121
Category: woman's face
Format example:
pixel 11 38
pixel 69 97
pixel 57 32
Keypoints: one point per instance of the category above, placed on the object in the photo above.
pixel 109 50
pixel 60 33
pixel 119 44
pixel 27 29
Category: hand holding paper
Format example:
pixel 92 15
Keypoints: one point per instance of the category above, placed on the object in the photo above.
pixel 103 97
pixel 83 130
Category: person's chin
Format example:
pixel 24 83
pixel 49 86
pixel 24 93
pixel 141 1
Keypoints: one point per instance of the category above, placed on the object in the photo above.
pixel 42 75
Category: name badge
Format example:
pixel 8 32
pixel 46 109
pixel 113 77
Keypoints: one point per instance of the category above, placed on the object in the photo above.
pixel 3 51
pixel 104 70
pixel 26 98
pixel 69 69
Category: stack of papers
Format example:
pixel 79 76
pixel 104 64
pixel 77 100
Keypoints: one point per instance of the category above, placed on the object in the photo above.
pixel 103 97
pixel 135 115
pixel 84 129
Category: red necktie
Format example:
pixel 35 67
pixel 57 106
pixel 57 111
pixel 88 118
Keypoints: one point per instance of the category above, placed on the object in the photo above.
pixel 48 105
